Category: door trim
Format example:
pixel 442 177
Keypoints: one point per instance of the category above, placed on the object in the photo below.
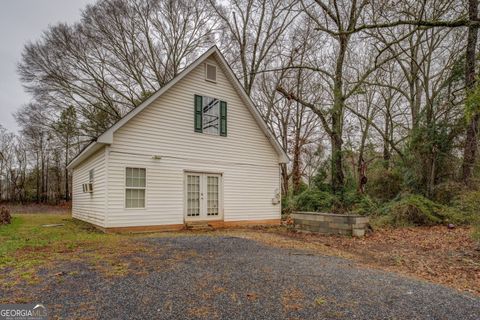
pixel 203 202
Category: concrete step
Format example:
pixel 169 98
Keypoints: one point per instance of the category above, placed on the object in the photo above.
pixel 198 226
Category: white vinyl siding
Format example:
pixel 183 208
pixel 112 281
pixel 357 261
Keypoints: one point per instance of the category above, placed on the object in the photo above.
pixel 90 207
pixel 245 158
pixel 247 190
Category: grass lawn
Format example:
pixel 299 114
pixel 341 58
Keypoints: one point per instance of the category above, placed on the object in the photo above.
pixel 26 245
pixel 27 235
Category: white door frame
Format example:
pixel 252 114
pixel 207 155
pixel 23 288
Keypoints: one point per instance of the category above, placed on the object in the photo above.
pixel 203 196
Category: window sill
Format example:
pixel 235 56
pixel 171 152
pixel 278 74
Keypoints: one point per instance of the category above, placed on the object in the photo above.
pixel 211 134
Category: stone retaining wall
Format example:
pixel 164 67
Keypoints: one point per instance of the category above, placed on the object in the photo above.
pixel 330 223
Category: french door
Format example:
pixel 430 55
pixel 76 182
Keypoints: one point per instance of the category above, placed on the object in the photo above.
pixel 203 196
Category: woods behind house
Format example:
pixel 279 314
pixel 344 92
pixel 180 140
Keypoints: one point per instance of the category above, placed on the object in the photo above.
pixel 376 102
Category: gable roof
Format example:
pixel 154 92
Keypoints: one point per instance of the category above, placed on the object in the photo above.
pixel 106 138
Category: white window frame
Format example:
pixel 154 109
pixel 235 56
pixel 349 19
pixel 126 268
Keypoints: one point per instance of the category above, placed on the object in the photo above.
pixel 218 118
pixel 138 188
pixel 206 72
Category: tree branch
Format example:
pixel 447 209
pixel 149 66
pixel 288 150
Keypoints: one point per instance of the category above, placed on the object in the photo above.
pixel 311 106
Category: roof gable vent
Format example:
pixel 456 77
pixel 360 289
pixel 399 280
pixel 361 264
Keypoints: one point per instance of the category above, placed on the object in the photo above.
pixel 210 72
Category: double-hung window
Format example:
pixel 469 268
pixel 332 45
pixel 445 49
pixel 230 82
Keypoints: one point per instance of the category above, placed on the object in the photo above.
pixel 210 115
pixel 90 176
pixel 135 187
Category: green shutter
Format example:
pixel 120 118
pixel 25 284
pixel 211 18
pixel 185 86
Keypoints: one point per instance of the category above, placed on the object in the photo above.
pixel 223 118
pixel 198 113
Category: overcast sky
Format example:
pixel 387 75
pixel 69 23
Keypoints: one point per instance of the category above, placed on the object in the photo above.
pixel 22 21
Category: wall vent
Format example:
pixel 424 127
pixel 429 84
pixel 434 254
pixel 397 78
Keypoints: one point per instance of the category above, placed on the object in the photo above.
pixel 87 187
pixel 211 72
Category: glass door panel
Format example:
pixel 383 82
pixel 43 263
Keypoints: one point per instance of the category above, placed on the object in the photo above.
pixel 212 195
pixel 193 195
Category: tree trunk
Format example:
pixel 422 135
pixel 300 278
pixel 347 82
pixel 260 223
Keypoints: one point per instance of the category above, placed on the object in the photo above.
pixel 297 148
pixel 433 173
pixel 337 120
pixel 296 176
pixel 386 148
pixel 470 149
pixel 38 177
pixel 67 193
pixel 45 190
pixel 361 164
pixel 58 196
pixel 284 172
pixel 337 164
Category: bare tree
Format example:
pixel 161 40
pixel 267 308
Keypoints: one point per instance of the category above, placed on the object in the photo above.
pixel 117 56
pixel 336 29
pixel 254 31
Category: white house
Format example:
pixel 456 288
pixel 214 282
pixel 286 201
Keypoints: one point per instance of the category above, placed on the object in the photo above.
pixel 196 151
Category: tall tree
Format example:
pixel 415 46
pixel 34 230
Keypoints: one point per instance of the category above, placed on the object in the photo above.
pixel 471 140
pixel 338 29
pixel 117 56
pixel 66 129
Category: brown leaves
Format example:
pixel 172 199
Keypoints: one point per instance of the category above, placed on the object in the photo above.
pixel 5 217
pixel 437 254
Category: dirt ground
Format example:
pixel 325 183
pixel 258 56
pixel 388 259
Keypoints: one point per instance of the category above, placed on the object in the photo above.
pixel 436 254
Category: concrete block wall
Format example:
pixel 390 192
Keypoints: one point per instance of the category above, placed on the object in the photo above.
pixel 330 223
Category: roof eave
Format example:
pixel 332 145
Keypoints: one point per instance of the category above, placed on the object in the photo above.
pixel 107 137
pixel 283 157
pixel 91 149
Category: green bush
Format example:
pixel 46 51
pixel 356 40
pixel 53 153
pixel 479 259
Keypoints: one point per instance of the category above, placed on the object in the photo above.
pixel 288 205
pixel 468 207
pixel 320 180
pixel 446 192
pixel 476 231
pixel 417 210
pixel 314 200
pixel 364 205
pixel 355 203
pixel 384 184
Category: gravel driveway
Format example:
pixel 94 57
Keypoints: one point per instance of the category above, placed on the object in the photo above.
pixel 212 277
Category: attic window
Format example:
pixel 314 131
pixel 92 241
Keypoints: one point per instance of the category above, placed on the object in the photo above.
pixel 210 72
pixel 210 115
